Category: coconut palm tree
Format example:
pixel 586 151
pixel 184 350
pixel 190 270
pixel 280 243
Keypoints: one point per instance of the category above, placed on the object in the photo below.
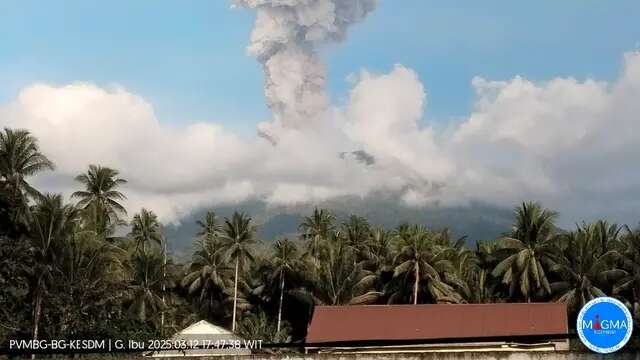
pixel 16 265
pixel 89 274
pixel 355 232
pixel 146 229
pixel 531 248
pixel 238 235
pixel 379 256
pixel 20 157
pixel 101 184
pixel 466 265
pixel 100 198
pixel 209 227
pixel 481 283
pixel 584 272
pixel 285 260
pixel 337 280
pixel 420 258
pixel 604 235
pixel 316 229
pixel 259 288
pixel 147 276
pixel 208 273
pixel 629 285
pixel 52 223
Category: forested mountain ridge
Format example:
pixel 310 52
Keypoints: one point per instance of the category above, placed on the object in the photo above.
pixel 476 222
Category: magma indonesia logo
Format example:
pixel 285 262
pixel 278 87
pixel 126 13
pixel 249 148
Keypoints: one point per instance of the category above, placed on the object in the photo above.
pixel 604 325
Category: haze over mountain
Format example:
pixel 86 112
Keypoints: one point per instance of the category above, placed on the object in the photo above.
pixel 477 221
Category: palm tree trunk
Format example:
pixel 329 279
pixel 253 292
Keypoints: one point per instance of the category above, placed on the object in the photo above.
pixel 164 285
pixel 281 296
pixel 235 297
pixel 36 316
pixel 417 283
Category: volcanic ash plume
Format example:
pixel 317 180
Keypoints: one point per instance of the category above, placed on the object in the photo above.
pixel 284 39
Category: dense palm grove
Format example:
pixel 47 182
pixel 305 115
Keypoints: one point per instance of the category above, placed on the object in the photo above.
pixel 77 269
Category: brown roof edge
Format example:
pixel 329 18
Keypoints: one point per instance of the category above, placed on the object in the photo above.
pixel 435 321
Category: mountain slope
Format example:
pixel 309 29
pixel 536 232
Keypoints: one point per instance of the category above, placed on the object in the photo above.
pixel 477 222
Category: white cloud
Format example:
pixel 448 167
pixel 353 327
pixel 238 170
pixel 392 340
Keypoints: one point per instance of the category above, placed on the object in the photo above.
pixel 570 144
pixel 172 169
pixel 383 116
pixel 81 124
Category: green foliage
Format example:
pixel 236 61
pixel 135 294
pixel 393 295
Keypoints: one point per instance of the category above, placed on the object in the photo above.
pixel 628 287
pixel 531 248
pixel 208 275
pixel 238 238
pixel 145 230
pixel 16 264
pixel 146 272
pixel 339 278
pixel 260 326
pixel 422 258
pixel 586 270
pixel 20 157
pixel 100 199
pixel 316 229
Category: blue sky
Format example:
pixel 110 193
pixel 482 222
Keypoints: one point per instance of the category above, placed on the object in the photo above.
pixel 188 58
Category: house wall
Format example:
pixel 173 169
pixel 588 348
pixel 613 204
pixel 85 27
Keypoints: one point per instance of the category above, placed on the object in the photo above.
pixel 627 355
pixel 568 355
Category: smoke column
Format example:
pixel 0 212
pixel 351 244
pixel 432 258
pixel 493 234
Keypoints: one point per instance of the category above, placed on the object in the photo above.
pixel 284 41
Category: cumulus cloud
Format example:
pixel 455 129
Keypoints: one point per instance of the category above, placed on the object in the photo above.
pixel 174 170
pixel 387 126
pixel 568 143
pixel 166 166
pixel 571 144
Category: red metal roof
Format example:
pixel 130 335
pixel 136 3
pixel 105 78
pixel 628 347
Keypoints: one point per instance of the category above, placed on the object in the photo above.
pixel 435 321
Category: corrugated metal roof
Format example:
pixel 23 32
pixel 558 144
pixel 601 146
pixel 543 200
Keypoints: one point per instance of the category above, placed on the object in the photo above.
pixel 435 321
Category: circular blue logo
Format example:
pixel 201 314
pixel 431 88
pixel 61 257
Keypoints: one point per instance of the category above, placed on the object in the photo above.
pixel 604 325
